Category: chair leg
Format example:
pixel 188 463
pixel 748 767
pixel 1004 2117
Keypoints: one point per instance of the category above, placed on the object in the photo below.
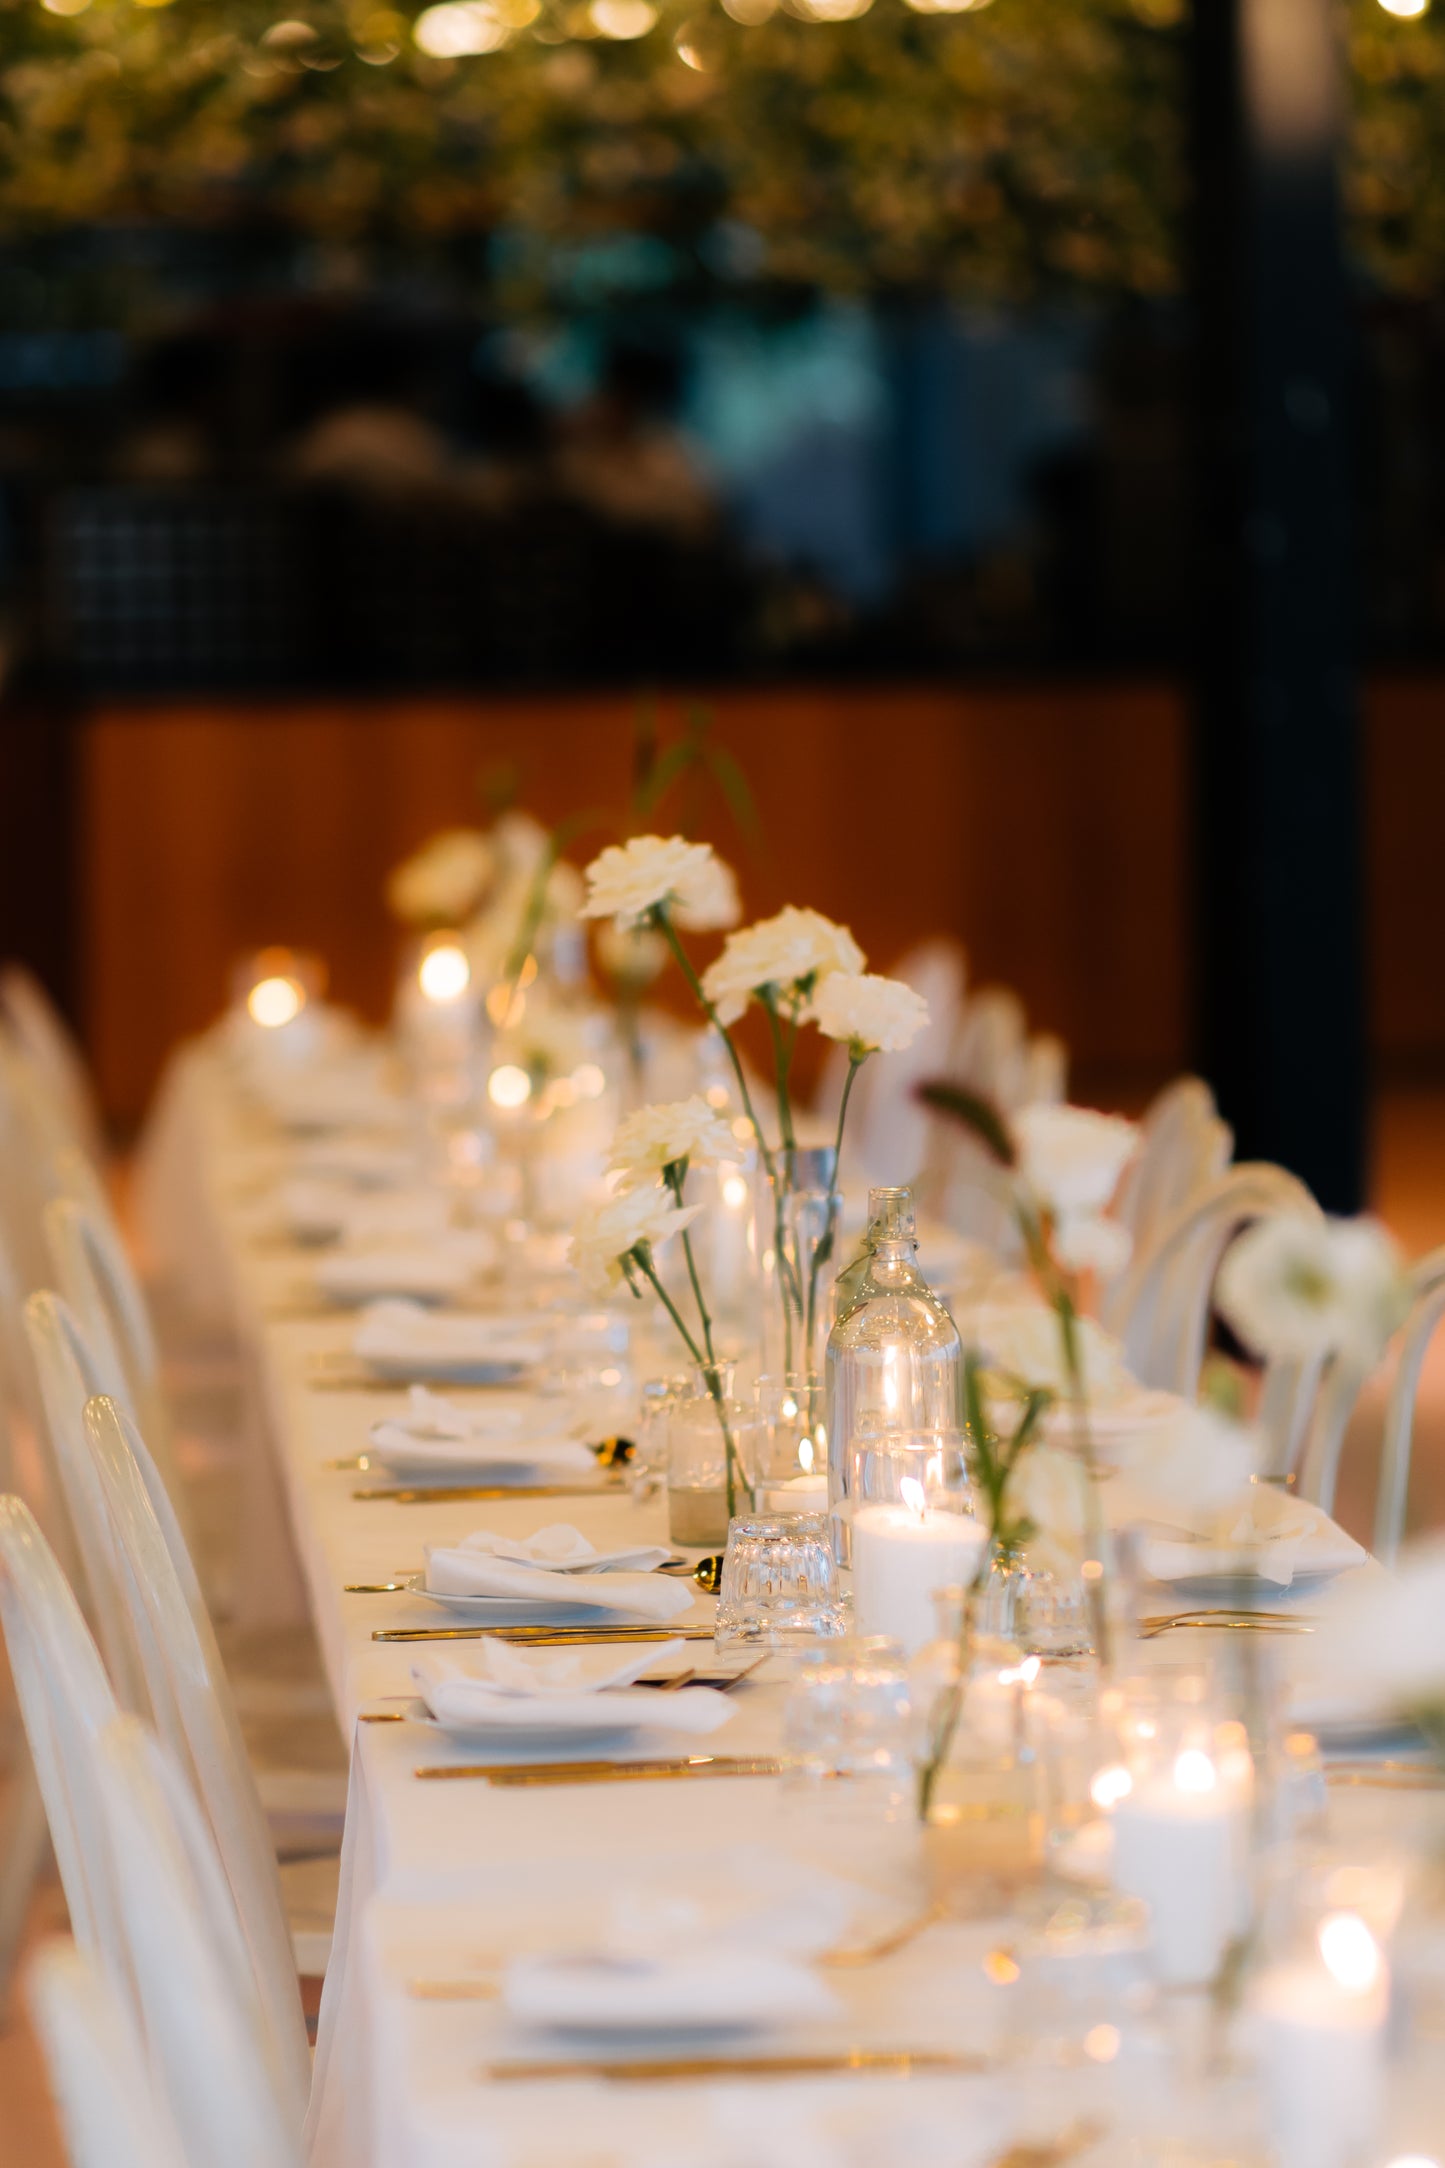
pixel 22 1859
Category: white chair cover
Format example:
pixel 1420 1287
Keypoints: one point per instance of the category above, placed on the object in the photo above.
pixel 1184 1148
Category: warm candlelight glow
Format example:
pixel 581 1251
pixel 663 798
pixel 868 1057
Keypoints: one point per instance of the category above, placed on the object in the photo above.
pixel 1194 1771
pixel 1407 10
pixel 509 1086
pixel 1350 1951
pixel 1110 1786
pixel 912 1495
pixel 589 1080
pixel 805 1455
pixel 444 973
pixel 1102 2043
pixel 735 1192
pixel 276 1001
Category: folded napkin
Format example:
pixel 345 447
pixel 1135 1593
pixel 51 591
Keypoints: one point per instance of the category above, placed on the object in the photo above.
pixel 458 1571
pixel 728 1988
pixel 498 1687
pixel 559 1548
pixel 1271 1537
pixel 431 1270
pixel 436 1433
pixel 403 1335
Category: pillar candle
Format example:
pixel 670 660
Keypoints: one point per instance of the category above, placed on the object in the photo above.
pixel 1321 2043
pixel 1177 1848
pixel 901 1557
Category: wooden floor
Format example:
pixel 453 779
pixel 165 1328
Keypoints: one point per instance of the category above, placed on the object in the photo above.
pixel 1409 1194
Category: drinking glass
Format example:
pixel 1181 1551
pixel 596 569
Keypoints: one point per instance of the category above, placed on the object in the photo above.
pixel 848 1721
pixel 788 1467
pixel 779 1583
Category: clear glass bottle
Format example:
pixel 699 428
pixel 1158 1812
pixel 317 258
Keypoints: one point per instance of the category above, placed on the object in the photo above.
pixel 894 1360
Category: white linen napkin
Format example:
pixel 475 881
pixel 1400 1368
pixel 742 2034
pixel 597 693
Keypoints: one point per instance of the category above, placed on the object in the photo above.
pixel 1271 1538
pixel 399 1333
pixel 559 1548
pixel 727 1987
pixel 512 1689
pixel 441 1265
pixel 436 1433
pixel 457 1571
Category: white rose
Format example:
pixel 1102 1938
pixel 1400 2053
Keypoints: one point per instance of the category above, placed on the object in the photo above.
pixel 1025 1339
pixel 871 1014
pixel 628 880
pixel 606 1233
pixel 791 951
pixel 443 882
pixel 1070 1158
pixel 658 1137
pixel 1302 1289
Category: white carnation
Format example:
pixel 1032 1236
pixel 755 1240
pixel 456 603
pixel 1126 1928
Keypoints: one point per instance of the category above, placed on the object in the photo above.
pixel 1197 1465
pixel 711 902
pixel 1381 1640
pixel 628 880
pixel 608 1232
pixel 658 1137
pixel 871 1014
pixel 1070 1158
pixel 791 951
pixel 1301 1289
pixel 443 882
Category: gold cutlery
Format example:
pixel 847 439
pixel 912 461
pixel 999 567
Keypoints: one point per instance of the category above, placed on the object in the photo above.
pixel 454 1493
pixel 843 1958
pixel 381 1716
pixel 612 1453
pixel 1386 1777
pixel 1049 2152
pixel 454 1990
pixel 521 1776
pixel 707 1572
pixel 1261 1622
pixel 857 2062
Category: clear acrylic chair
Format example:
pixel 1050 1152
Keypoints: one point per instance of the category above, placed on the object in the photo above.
pixel 69 1710
pixel 50 1046
pixel 195 1711
pixel 237 2098
pixel 95 2060
pixel 1184 1149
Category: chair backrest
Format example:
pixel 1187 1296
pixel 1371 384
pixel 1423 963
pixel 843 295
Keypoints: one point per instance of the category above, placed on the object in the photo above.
pixel 94 1275
pixel 888 1132
pixel 1184 1148
pixel 31 1134
pixel 69 1374
pixel 1165 1301
pixel 95 2060
pixel 66 1700
pixel 196 1715
pixel 1427 1307
pixel 203 2025
pixel 53 1052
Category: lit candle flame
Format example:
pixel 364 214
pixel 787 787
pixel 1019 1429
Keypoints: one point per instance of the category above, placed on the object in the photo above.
pixel 913 1497
pixel 1350 1951
pixel 509 1086
pixel 276 1001
pixel 1110 1786
pixel 1194 1771
pixel 444 973
pixel 805 1455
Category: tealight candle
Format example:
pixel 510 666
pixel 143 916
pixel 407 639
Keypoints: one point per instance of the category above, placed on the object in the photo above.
pixel 1177 1847
pixel 1321 2035
pixel 902 1555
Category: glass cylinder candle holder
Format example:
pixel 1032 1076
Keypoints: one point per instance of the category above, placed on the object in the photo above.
pixel 788 1471
pixel 914 1532
pixel 701 1423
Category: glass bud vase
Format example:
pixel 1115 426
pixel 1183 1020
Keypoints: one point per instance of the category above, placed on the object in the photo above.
pixel 894 1360
pixel 703 1419
pixel 796 1217
pixel 982 1784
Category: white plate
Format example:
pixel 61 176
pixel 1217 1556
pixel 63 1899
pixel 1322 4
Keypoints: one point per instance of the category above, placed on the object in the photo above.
pixel 528 1610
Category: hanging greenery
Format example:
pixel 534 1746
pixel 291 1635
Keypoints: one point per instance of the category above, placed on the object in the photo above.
pixel 1026 146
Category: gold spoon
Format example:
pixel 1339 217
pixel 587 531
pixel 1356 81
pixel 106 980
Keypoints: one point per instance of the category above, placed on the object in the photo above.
pixel 707 1572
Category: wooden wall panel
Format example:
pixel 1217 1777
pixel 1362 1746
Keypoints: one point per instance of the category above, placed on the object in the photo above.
pixel 1046 828
pixel 1405 818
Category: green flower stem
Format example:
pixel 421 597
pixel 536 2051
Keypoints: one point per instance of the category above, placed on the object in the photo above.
pixel 643 1255
pixel 663 922
pixel 856 1059
pixel 782 1061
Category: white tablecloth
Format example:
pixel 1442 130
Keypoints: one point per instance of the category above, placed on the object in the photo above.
pixel 439 1876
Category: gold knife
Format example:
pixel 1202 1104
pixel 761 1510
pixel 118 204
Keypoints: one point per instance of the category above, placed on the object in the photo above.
pixel 442 1494
pixel 860 2062
pixel 544 1636
pixel 519 1776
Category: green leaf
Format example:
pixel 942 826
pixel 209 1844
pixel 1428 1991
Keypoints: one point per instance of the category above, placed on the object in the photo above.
pixel 973 1112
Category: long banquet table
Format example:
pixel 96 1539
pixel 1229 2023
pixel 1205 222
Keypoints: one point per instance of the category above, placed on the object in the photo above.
pixel 441 1878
